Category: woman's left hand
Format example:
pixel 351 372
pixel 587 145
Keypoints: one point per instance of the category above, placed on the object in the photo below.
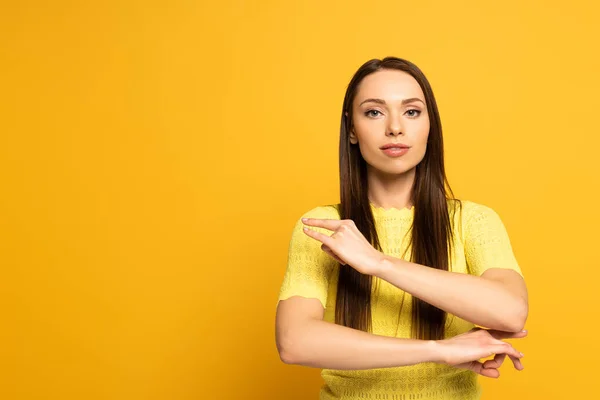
pixel 346 244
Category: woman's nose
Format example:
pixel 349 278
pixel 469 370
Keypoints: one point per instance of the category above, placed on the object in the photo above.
pixel 394 126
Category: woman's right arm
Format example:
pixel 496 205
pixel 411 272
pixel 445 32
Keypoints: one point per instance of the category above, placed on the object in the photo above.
pixel 304 338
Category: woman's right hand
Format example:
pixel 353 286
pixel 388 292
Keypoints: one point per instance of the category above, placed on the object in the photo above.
pixel 464 350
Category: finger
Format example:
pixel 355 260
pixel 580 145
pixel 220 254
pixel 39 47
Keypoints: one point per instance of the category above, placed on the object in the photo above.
pixel 506 348
pixel 496 362
pixel 490 372
pixel 477 367
pixel 325 239
pixel 517 363
pixel 331 224
pixel 332 254
pixel 496 334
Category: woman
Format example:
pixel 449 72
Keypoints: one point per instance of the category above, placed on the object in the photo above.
pixel 384 290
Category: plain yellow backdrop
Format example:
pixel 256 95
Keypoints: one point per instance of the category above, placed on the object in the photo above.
pixel 155 155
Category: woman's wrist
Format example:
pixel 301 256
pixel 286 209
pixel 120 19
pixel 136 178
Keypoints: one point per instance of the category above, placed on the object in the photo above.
pixel 434 351
pixel 384 264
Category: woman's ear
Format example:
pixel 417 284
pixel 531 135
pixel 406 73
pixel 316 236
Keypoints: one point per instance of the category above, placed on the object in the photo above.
pixel 353 139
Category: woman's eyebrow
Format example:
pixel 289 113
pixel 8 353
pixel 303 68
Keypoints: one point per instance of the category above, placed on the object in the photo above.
pixel 381 101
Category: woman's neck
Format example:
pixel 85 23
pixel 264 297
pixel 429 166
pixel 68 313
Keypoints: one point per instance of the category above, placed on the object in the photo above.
pixel 391 191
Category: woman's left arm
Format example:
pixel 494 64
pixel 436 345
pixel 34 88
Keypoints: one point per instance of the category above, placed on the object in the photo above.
pixel 496 300
pixel 493 294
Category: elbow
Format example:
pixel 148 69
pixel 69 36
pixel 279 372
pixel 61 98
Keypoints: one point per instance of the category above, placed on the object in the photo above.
pixel 294 342
pixel 285 355
pixel 518 318
pixel 285 347
pixel 515 327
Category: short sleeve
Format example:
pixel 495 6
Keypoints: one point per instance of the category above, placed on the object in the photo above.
pixel 487 244
pixel 309 268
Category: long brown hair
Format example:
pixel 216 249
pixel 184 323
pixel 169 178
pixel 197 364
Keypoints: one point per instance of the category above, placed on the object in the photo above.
pixel 431 230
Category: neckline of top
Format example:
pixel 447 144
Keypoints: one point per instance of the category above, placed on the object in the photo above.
pixel 380 211
pixel 389 213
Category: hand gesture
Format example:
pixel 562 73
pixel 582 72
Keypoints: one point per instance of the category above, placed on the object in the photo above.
pixel 463 351
pixel 347 244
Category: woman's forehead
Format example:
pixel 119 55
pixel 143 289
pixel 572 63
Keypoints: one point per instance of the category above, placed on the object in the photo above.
pixel 389 85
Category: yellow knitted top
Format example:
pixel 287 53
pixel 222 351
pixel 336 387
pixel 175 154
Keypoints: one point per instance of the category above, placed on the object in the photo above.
pixel 480 242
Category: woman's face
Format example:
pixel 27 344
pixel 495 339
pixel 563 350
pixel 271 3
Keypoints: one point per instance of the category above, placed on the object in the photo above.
pixel 389 107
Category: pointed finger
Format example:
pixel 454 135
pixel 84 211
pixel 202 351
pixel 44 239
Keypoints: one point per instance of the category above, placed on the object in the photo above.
pixel 325 239
pixel 331 224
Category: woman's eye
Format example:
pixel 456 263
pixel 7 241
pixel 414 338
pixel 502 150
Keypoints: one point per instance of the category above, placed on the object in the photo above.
pixel 415 111
pixel 371 115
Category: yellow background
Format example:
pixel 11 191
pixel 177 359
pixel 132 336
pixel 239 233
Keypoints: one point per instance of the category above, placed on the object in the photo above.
pixel 155 156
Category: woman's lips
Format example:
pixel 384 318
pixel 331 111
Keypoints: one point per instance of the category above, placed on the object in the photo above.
pixel 395 151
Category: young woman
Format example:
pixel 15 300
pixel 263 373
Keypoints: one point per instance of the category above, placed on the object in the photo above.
pixel 384 290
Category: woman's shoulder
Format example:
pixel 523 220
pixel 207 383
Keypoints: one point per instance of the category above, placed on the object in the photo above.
pixel 471 208
pixel 472 214
pixel 327 211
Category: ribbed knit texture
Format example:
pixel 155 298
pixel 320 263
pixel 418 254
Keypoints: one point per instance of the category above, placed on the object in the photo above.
pixel 480 242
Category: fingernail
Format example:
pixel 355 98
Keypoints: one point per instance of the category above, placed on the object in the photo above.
pixel 304 219
pixel 524 330
pixel 522 355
